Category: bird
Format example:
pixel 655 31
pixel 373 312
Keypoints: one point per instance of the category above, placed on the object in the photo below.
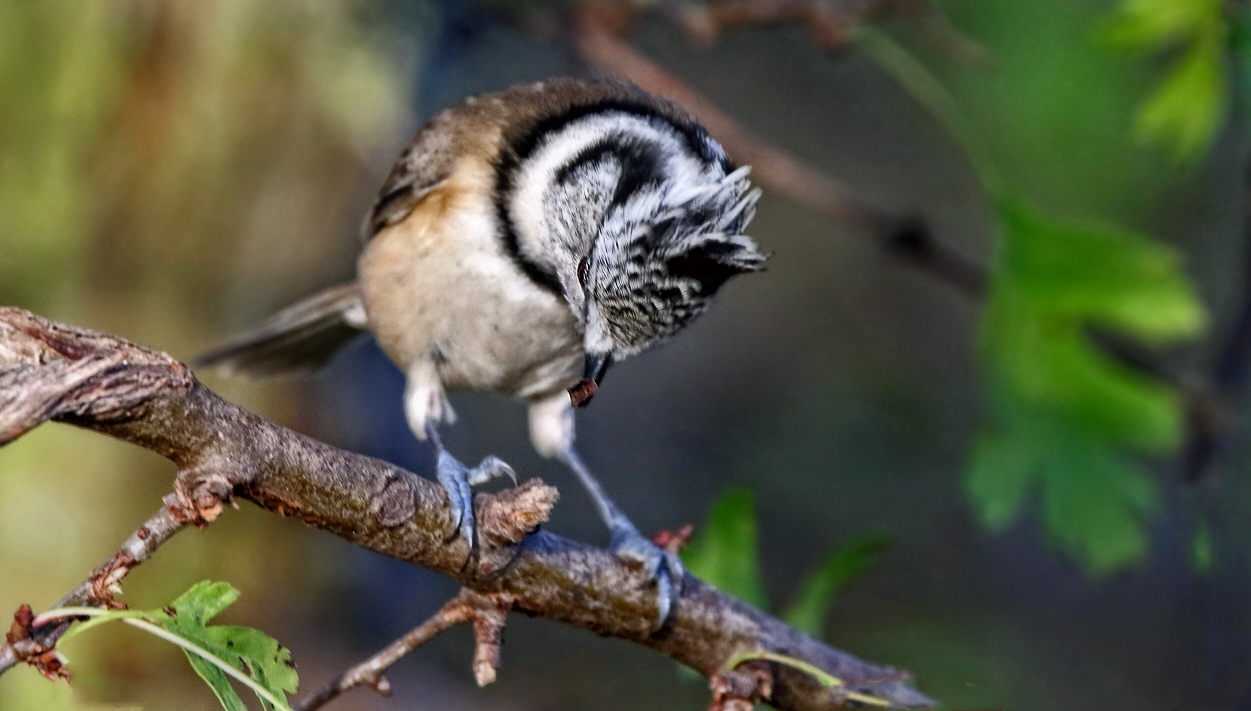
pixel 523 242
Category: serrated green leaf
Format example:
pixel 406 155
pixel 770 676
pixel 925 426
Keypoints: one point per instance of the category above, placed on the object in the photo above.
pixel 726 552
pixel 245 649
pixel 1186 108
pixel 217 681
pixel 1068 416
pixel 253 658
pixel 1069 269
pixel 1051 363
pixel 1056 280
pixel 807 612
pixel 1096 502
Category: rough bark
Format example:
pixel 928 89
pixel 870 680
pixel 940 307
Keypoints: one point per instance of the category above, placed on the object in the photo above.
pixel 50 371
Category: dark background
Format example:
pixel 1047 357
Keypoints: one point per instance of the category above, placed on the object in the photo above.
pixel 173 172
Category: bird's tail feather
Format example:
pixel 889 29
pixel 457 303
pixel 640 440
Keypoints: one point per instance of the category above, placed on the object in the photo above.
pixel 298 339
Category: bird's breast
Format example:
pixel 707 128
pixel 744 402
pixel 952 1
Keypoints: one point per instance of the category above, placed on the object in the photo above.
pixel 439 285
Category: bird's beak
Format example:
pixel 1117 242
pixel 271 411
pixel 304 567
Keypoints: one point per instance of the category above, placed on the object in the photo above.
pixel 596 365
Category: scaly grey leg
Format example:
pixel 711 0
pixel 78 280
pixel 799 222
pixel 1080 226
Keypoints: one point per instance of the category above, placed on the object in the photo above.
pixel 458 478
pixel 665 567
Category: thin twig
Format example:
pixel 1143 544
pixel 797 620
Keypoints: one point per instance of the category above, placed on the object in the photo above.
pixel 490 613
pixel 486 612
pixel 97 590
pixel 370 672
pixel 830 23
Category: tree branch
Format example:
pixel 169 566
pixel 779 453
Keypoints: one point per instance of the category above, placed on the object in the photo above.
pixel 50 371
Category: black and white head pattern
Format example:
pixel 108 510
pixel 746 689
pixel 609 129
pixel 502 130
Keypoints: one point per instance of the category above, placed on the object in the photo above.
pixel 635 218
pixel 661 255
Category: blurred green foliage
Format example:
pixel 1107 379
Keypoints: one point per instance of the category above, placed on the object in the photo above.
pixel 158 126
pixel 1187 106
pixel 726 553
pixel 1068 418
pixel 1070 423
pixel 819 588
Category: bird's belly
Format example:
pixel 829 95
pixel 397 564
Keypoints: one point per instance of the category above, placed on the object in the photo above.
pixel 496 343
pixel 445 291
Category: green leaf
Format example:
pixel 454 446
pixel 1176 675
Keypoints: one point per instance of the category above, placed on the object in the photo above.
pixel 1187 106
pixel 248 650
pixel 1068 417
pixel 1096 502
pixel 807 612
pixel 726 552
pixel 1057 279
pixel 204 600
pixel 1097 272
pixel 251 657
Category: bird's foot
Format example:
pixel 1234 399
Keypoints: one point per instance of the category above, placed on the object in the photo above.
pixel 663 566
pixel 457 479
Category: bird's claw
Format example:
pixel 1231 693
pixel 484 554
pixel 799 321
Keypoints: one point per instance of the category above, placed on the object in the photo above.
pixel 457 479
pixel 663 566
pixel 491 467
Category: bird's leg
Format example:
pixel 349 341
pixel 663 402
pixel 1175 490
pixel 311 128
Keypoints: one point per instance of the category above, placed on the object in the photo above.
pixel 662 565
pixel 425 405
pixel 458 478
pixel 552 431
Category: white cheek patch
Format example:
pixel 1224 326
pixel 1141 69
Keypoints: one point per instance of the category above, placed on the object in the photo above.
pixel 539 172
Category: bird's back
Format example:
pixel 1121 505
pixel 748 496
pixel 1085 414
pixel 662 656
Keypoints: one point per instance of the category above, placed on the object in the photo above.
pixel 503 127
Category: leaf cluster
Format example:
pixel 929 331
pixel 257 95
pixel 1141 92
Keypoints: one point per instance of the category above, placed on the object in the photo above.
pixel 217 653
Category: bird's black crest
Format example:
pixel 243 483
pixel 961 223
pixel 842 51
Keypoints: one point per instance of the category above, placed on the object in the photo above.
pixel 712 263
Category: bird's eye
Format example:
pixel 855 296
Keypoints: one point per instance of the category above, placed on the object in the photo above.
pixel 583 267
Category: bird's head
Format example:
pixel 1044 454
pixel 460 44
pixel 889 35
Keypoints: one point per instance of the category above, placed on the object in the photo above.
pixel 658 258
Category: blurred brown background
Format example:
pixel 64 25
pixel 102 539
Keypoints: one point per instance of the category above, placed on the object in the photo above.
pixel 173 172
